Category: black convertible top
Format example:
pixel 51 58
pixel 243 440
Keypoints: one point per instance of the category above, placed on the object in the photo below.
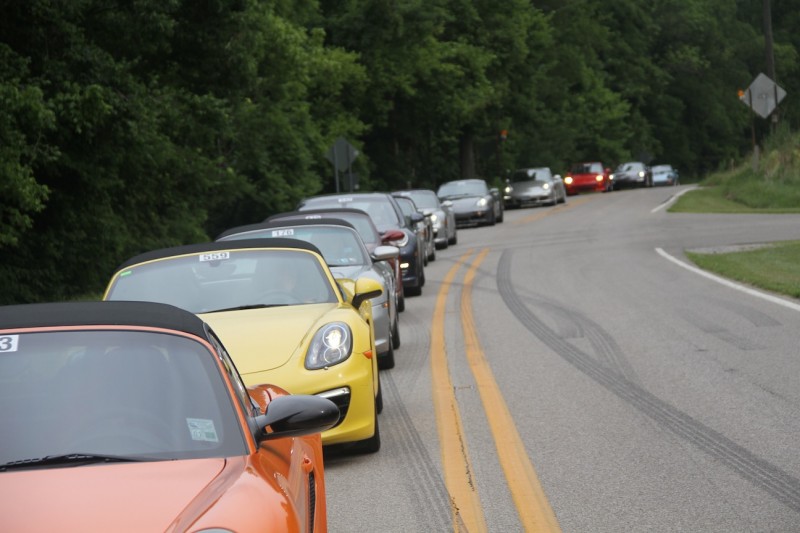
pixel 101 314
pixel 284 223
pixel 217 246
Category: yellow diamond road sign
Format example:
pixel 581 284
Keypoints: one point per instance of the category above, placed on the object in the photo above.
pixel 763 96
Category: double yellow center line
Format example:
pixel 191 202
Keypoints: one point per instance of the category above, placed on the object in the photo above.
pixel 534 511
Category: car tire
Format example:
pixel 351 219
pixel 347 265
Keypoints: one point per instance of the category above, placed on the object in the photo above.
pixel 401 302
pixel 372 444
pixel 502 216
pixel 454 238
pixel 396 335
pixel 491 221
pixel 432 257
pixel 421 279
pixel 379 397
pixel 386 361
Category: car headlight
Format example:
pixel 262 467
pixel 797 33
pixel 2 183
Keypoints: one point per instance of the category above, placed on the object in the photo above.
pixel 332 344
pixel 599 177
pixel 509 188
pixel 611 176
pixel 568 180
pixel 434 218
pixel 641 173
pixel 546 186
pixel 482 202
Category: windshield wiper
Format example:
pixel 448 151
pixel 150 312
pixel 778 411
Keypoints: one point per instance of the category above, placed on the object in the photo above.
pixel 245 307
pixel 72 459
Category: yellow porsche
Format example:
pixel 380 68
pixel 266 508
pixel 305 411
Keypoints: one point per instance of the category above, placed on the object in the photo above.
pixel 282 315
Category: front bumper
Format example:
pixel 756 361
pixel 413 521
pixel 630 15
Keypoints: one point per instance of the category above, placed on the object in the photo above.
pixel 355 376
pixel 474 217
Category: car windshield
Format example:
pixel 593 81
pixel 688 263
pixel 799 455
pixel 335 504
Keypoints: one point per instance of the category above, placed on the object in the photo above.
pixel 407 205
pixel 630 167
pixel 531 174
pixel 423 199
pixel 223 280
pixel 340 246
pixel 454 189
pixel 364 226
pixel 659 169
pixel 587 168
pixel 111 393
pixel 380 210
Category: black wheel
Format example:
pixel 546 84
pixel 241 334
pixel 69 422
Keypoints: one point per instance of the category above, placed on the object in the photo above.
pixel 491 221
pixel 379 397
pixel 421 278
pixel 396 334
pixel 432 257
pixel 386 360
pixel 454 238
pixel 372 444
pixel 401 303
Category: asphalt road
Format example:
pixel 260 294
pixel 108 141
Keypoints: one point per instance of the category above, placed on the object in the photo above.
pixel 576 377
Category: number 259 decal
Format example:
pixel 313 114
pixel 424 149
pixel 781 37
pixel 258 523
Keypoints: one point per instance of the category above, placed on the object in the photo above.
pixel 8 343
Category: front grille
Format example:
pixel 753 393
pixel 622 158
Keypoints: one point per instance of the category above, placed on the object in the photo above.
pixel 341 397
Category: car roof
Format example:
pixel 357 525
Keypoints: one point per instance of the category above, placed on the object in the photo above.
pixel 101 313
pixel 470 180
pixel 286 222
pixel 216 246
pixel 346 195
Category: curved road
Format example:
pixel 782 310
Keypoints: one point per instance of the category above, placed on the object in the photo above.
pixel 562 372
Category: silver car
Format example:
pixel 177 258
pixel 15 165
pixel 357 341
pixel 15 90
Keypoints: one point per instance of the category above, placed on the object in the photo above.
pixel 441 214
pixel 347 257
pixel 534 186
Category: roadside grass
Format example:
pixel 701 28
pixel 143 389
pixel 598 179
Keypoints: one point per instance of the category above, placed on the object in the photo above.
pixel 775 267
pixel 772 188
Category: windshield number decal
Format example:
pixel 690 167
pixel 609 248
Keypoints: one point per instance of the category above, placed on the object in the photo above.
pixel 8 343
pixel 216 256
pixel 282 232
pixel 345 200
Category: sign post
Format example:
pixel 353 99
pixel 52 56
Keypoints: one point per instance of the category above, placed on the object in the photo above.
pixel 342 154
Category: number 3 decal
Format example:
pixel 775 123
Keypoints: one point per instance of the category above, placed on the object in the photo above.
pixel 9 343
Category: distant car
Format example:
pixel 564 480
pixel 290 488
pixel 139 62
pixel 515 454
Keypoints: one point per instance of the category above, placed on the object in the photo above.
pixel 632 174
pixel 664 175
pixel 534 186
pixel 424 226
pixel 591 176
pixel 132 416
pixel 283 316
pixel 445 232
pixel 369 234
pixel 474 202
pixel 389 219
pixel 347 257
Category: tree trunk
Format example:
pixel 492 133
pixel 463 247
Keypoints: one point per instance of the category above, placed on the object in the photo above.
pixel 467 155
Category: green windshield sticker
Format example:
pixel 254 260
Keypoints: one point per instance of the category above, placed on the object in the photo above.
pixel 126 273
pixel 202 429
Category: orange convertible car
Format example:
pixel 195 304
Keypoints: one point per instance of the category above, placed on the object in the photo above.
pixel 130 416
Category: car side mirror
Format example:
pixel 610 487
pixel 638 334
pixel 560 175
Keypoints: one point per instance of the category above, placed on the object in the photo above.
pixel 447 203
pixel 295 416
pixel 384 253
pixel 416 218
pixel 365 289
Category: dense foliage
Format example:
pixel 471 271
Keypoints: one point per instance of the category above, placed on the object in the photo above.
pixel 127 125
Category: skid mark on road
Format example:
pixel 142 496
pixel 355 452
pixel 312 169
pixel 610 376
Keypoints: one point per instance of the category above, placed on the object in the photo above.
pixel 782 486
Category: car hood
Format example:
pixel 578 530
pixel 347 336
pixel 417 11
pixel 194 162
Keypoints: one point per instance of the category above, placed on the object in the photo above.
pixel 264 339
pixel 114 497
